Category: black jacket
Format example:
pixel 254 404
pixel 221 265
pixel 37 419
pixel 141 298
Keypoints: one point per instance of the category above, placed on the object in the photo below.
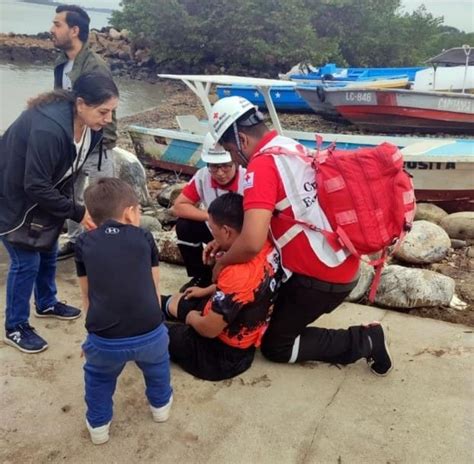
pixel 36 151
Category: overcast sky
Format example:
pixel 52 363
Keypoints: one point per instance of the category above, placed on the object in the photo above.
pixel 457 13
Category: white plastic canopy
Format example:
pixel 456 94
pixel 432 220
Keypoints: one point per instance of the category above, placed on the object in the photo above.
pixel 200 84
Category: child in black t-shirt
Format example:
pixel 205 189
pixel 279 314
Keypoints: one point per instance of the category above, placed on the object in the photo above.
pixel 117 266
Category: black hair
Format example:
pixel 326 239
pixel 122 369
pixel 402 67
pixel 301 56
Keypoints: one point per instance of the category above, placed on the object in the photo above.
pixel 107 198
pixel 251 123
pixel 76 16
pixel 228 210
pixel 94 88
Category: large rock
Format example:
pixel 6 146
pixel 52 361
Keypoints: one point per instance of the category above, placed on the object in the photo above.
pixel 365 279
pixel 429 212
pixel 165 216
pixel 168 247
pixel 402 287
pixel 128 168
pixel 459 225
pixel 426 243
pixel 114 34
pixel 169 194
pixel 152 224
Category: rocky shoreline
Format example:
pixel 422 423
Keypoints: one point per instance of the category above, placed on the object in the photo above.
pixel 125 57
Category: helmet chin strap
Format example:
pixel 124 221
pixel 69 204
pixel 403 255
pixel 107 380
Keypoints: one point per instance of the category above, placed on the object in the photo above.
pixel 243 158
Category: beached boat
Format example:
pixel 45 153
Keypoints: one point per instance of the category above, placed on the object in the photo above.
pixel 285 98
pixel 443 172
pixel 180 150
pixel 396 110
pixel 330 72
pixel 414 110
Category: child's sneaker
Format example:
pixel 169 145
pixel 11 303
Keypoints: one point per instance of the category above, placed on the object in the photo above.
pixel 99 435
pixel 162 414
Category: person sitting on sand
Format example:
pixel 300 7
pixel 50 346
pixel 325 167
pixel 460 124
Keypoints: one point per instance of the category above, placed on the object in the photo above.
pixel 221 325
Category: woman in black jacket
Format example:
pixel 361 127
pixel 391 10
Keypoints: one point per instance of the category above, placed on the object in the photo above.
pixel 41 153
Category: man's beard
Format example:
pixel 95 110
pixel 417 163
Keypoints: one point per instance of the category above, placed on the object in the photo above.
pixel 65 45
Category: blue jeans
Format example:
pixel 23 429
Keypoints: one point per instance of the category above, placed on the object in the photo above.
pixel 29 270
pixel 105 360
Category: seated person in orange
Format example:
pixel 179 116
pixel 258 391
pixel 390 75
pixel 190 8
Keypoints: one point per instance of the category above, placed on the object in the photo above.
pixel 221 325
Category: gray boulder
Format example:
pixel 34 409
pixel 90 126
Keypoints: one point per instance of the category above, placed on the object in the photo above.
pixel 402 287
pixel 365 279
pixel 429 212
pixel 168 247
pixel 426 243
pixel 459 225
pixel 456 244
pixel 128 168
pixel 165 216
pixel 169 194
pixel 152 224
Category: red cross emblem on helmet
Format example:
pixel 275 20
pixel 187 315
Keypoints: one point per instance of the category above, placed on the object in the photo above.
pixel 216 115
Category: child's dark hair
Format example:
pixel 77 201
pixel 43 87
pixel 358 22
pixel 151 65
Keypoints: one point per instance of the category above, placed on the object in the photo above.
pixel 228 210
pixel 107 198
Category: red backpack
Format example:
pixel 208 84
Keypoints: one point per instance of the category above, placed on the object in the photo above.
pixel 368 199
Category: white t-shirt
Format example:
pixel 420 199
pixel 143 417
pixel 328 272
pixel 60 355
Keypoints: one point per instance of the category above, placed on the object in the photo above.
pixel 67 84
pixel 82 148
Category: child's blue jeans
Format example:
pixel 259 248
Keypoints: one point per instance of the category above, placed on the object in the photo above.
pixel 105 360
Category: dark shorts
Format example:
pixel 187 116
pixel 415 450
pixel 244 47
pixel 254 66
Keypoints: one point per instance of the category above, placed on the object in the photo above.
pixel 205 358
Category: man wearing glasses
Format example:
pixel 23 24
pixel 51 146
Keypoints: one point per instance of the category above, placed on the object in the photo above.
pixel 221 175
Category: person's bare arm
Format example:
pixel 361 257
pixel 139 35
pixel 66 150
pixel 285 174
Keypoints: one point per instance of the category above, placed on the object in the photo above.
pixel 184 208
pixel 84 286
pixel 155 271
pixel 209 326
pixel 251 240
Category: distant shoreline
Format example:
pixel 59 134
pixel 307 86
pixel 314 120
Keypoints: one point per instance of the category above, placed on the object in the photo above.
pixel 54 3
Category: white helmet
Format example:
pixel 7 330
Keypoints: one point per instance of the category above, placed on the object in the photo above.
pixel 214 153
pixel 226 111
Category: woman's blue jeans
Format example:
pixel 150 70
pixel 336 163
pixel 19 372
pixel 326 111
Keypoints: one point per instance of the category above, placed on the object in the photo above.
pixel 29 270
pixel 105 360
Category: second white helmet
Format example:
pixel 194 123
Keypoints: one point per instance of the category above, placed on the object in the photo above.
pixel 214 153
pixel 226 111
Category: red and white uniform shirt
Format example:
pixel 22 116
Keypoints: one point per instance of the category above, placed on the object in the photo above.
pixel 266 183
pixel 204 189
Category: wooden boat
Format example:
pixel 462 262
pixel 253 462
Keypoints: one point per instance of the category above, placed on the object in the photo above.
pixel 330 72
pixel 416 110
pixel 396 110
pixel 443 172
pixel 285 98
pixel 180 150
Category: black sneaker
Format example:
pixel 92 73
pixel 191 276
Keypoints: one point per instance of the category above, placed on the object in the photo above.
pixel 59 311
pixel 25 339
pixel 379 360
pixel 66 251
pixel 195 282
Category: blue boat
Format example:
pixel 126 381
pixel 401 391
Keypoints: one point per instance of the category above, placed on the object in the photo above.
pixel 330 72
pixel 285 98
